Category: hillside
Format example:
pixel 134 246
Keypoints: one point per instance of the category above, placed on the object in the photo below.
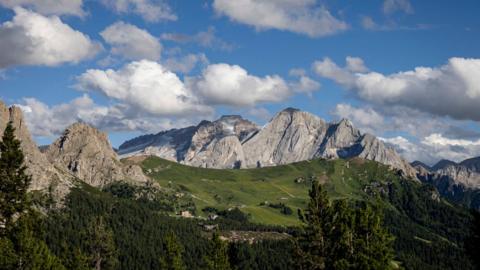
pixel 430 232
pixel 252 190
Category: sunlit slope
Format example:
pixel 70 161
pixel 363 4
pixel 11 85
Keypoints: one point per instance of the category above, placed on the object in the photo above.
pixel 252 190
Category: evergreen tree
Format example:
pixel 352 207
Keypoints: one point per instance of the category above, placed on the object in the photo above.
pixel 14 181
pixel 372 243
pixel 173 257
pixel 32 253
pixel 217 258
pixel 337 237
pixel 100 245
pixel 20 231
pixel 312 245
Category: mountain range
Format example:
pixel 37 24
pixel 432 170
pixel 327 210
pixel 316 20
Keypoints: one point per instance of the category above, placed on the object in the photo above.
pixel 84 154
pixel 459 182
pixel 290 136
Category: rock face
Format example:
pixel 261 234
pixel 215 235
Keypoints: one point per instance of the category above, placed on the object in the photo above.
pixel 86 153
pixel 459 182
pixel 81 154
pixel 291 136
pixel 44 174
pixel 216 144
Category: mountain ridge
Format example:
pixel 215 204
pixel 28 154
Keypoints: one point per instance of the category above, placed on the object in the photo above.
pixel 291 135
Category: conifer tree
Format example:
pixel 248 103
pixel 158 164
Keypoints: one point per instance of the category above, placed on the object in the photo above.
pixel 338 235
pixel 217 258
pixel 101 245
pixel 312 245
pixel 174 252
pixel 14 181
pixel 20 244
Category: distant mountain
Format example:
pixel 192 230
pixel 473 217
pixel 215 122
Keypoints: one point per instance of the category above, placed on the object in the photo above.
pixel 418 164
pixel 290 136
pixel 459 182
pixel 443 164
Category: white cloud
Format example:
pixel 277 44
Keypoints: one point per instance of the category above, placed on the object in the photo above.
pixel 367 119
pixel 149 10
pixel 50 121
pixel 450 90
pixel 355 64
pixel 223 84
pixel 206 39
pixel 328 69
pixel 304 84
pixel 32 39
pixel 299 16
pixel 131 42
pixel 435 147
pixel 392 6
pixel 49 7
pixel 144 86
pixel 409 150
pixel 436 139
pixel 185 64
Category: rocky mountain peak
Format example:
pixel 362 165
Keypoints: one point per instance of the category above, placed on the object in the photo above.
pixel 442 164
pixel 472 164
pixel 86 153
pixel 43 173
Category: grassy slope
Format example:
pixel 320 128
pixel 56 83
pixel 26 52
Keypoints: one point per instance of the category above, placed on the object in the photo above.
pixel 248 188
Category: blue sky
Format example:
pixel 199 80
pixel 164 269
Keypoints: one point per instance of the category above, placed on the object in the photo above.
pixel 139 66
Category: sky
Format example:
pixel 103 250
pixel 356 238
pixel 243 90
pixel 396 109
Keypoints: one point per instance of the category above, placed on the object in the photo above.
pixel 406 71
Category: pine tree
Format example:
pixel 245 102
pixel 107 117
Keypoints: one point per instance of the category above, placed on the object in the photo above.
pixel 101 245
pixel 217 258
pixel 20 243
pixel 373 243
pixel 338 235
pixel 312 245
pixel 173 257
pixel 14 181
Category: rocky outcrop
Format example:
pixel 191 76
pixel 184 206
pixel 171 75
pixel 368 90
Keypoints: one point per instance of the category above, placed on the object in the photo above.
pixel 44 175
pixel 216 144
pixel 291 136
pixel 459 182
pixel 86 153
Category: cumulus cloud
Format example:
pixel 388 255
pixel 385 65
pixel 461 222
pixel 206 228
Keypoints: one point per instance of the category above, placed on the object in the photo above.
pixel 355 64
pixel 450 90
pixel 299 16
pixel 430 138
pixel 144 85
pixel 223 84
pixel 367 119
pixel 50 121
pixel 392 6
pixel 207 39
pixel 147 96
pixel 305 84
pixel 131 42
pixel 48 7
pixel 149 10
pixel 435 147
pixel 33 39
pixel 185 64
